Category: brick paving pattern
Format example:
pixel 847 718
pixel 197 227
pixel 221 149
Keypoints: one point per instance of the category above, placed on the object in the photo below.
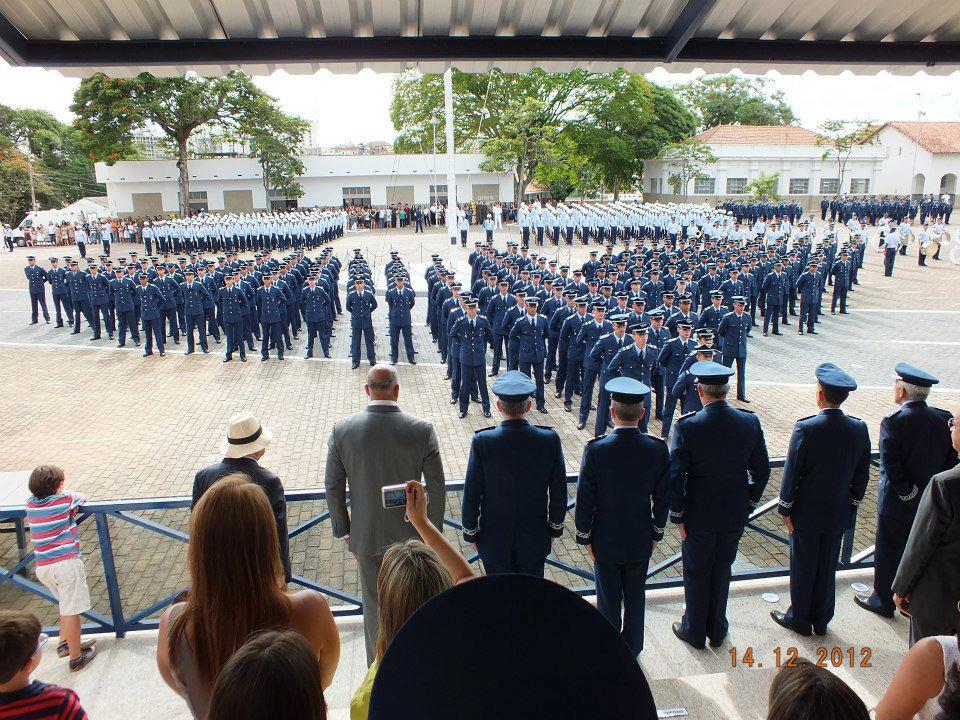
pixel 123 426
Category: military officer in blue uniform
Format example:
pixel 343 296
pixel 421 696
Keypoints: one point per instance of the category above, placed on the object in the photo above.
pixel 230 303
pixel 824 480
pixel 620 516
pixel 170 293
pixel 472 332
pixel 497 307
pixel 733 346
pixel 915 445
pixel 808 286
pixel 658 336
pixel 317 307
pixel 840 272
pixel 685 388
pixel 151 314
pixel 569 335
pixel 79 297
pixel 272 304
pixel 400 300
pixel 194 296
pixel 98 292
pixel 604 351
pixel 515 489
pixel 36 284
pixel 671 359
pixel 529 333
pixel 360 304
pixel 775 288
pixel 590 333
pixel 719 468
pixel 60 289
pixel 637 361
pixel 124 291
pixel 209 303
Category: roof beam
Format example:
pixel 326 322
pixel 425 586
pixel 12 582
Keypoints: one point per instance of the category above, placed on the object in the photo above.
pixel 12 43
pixel 107 53
pixel 690 19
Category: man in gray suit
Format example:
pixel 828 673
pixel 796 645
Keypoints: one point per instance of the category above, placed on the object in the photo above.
pixel 371 449
pixel 927 584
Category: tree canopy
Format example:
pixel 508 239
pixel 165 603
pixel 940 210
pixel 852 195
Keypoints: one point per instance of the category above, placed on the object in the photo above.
pixel 543 126
pixel 735 100
pixel 686 159
pixel 764 187
pixel 839 138
pixel 110 110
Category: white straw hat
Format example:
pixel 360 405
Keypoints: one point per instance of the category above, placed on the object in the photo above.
pixel 245 436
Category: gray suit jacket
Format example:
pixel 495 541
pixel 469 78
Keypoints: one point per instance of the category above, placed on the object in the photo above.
pixel 370 449
pixel 929 573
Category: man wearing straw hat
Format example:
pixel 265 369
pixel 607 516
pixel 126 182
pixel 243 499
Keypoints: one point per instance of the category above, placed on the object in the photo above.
pixel 246 442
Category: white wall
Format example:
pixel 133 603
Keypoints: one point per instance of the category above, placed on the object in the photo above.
pixel 323 181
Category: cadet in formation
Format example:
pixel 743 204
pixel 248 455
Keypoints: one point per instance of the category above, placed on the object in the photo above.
pixel 719 468
pixel 36 284
pixel 515 489
pixel 619 516
pixel 824 480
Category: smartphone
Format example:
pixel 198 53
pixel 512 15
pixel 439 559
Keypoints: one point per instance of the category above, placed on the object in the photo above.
pixel 394 495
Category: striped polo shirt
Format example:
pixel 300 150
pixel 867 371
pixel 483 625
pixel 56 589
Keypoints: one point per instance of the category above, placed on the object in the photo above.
pixel 53 529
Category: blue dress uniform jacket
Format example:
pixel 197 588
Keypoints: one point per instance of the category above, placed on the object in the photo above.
pixel 634 363
pixel 98 290
pixel 473 339
pixel 733 330
pixel 230 304
pixel 313 304
pixel 59 281
pixel 719 468
pixel 621 513
pixel 36 277
pixel 776 287
pixel 826 471
pixel 497 308
pixel 568 333
pixel 361 308
pixel 150 301
pixel 124 291
pixel 272 304
pixel 671 359
pixel 514 495
pixel 400 302
pixel 530 338
pixel 195 296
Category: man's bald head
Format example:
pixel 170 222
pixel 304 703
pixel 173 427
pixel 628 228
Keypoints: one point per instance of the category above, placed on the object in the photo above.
pixel 383 383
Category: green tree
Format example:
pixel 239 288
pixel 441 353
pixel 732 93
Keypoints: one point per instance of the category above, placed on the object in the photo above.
pixel 276 140
pixel 686 159
pixel 839 139
pixel 513 118
pixel 563 168
pixel 764 187
pixel 110 110
pixel 735 100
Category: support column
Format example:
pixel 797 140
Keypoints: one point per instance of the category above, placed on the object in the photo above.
pixel 452 210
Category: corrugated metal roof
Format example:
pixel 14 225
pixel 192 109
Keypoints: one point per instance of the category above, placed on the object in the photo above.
pixel 258 36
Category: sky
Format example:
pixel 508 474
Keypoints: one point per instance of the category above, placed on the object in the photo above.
pixel 356 108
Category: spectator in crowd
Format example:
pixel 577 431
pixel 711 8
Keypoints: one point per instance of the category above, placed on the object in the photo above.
pixel 411 574
pixel 51 515
pixel 804 691
pixel 273 675
pixel 246 442
pixel 21 649
pixel 236 588
pixel 927 681
pixel 927 583
pixel 372 449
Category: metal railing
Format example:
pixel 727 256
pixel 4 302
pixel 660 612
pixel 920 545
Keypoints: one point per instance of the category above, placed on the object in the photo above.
pixel 103 514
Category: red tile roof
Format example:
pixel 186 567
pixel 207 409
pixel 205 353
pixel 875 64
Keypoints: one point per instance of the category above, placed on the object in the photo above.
pixel 758 135
pixel 937 137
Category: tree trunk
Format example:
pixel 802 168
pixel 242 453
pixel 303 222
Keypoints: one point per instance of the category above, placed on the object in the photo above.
pixel 184 180
pixel 266 185
pixel 616 190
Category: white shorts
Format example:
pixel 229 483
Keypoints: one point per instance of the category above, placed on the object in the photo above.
pixel 68 583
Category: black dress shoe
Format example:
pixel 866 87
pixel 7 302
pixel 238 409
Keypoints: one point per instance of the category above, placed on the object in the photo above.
pixel 743 399
pixel 474 399
pixel 446 377
pixel 355 366
pixel 147 354
pixel 462 415
pixel 676 631
pixel 581 425
pixel 226 359
pixel 413 362
pixel 812 332
pixel 492 374
pixel 243 358
pixel 819 632
pixel 717 643
pixel 486 413
pixel 162 353
pixel 567 407
pixel 864 602
pixel 454 401
pixel 781 619
pixel 542 410
pixel 558 394
pixel 778 333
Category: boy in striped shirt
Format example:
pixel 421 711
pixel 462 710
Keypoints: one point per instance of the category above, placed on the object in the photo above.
pixel 51 514
pixel 21 647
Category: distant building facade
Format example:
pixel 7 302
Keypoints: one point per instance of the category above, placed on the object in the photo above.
pixel 149 187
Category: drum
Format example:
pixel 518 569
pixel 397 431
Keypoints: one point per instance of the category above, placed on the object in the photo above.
pixel 931 248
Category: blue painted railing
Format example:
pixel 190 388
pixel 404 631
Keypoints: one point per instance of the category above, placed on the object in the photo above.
pixel 119 623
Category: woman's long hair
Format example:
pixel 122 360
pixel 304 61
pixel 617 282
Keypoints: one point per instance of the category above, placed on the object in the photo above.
pixel 950 695
pixel 235 573
pixel 411 574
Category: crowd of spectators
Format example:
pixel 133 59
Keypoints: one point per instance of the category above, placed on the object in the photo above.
pixel 240 644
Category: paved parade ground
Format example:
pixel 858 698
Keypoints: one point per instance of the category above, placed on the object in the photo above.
pixel 124 426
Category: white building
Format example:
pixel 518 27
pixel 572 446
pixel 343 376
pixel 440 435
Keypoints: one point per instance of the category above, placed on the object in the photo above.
pixel 149 187
pixel 922 158
pixel 743 152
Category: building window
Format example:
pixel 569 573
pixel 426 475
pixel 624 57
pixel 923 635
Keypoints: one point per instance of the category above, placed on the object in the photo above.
pixel 197 200
pixel 829 186
pixel 438 194
pixel 799 186
pixel 859 186
pixel 704 186
pixel 356 196
pixel 736 186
